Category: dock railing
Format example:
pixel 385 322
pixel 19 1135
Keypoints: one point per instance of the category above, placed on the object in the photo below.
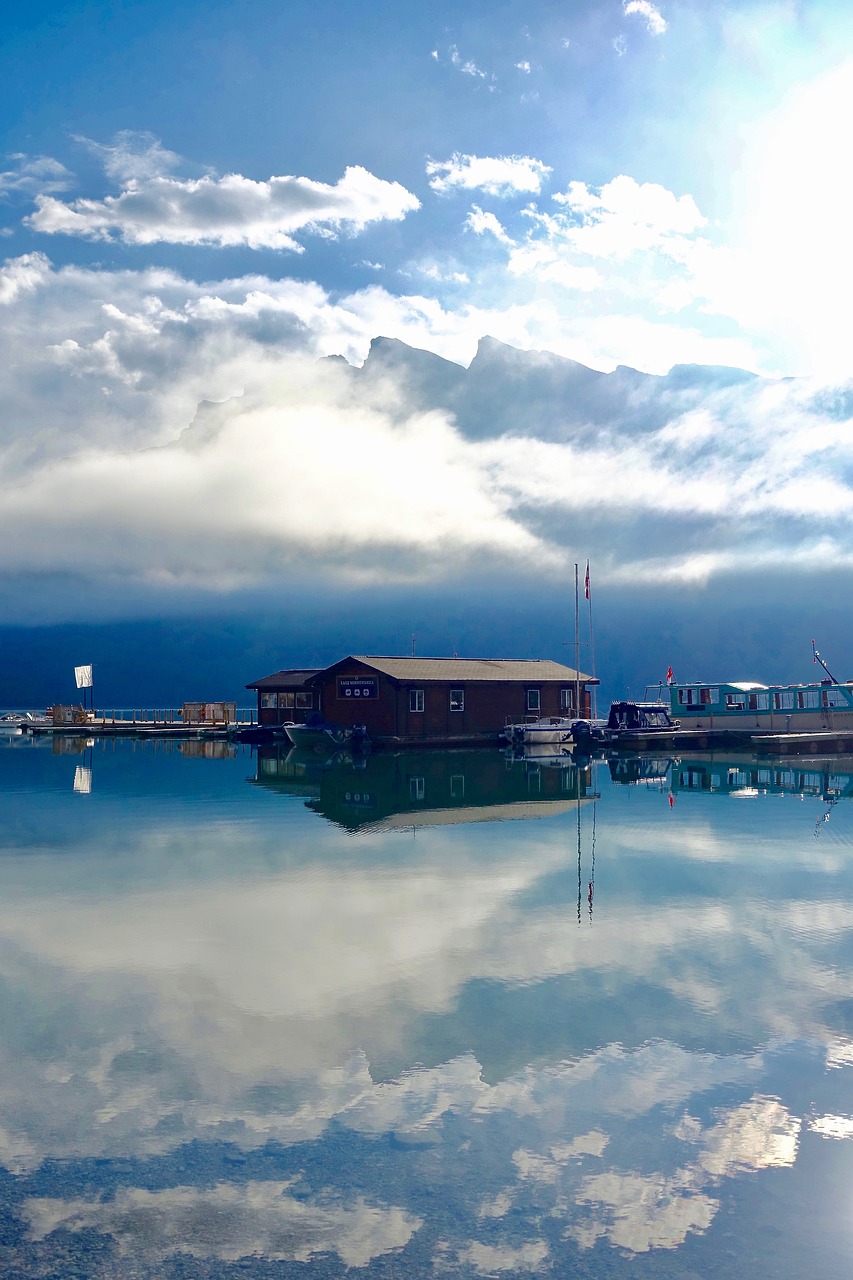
pixel 190 716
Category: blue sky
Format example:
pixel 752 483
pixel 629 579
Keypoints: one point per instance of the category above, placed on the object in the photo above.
pixel 198 202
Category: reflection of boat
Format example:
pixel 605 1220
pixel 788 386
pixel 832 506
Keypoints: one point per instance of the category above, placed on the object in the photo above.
pixel 632 770
pixel 748 775
pixel 10 722
pixel 546 755
pixel 259 733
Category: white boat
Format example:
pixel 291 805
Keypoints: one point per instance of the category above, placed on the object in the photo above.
pixel 550 731
pixel 320 736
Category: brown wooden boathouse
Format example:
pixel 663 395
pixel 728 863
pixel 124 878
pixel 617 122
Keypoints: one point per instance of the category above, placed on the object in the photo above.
pixel 412 699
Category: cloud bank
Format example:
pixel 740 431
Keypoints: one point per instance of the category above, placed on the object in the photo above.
pixel 404 471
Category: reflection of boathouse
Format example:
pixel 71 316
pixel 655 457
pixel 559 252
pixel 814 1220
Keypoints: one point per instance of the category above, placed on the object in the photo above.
pixel 423 788
pixel 438 699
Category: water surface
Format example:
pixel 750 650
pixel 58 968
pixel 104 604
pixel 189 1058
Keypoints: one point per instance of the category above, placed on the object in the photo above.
pixel 444 1014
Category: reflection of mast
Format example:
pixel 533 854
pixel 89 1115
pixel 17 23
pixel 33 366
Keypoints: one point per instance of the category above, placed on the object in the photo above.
pixel 578 808
pixel 591 889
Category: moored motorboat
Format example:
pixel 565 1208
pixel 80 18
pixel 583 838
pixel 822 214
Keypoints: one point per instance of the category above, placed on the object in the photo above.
pixel 552 731
pixel 628 723
pixel 322 736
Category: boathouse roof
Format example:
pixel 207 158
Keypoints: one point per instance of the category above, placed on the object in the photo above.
pixel 285 679
pixel 523 670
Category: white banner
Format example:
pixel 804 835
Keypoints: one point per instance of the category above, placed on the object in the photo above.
pixel 83 676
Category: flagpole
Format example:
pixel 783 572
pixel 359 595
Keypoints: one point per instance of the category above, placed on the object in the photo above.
pixel 577 651
pixel 593 707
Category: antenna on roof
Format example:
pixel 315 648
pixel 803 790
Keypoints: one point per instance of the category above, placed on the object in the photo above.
pixel 817 658
pixel 413 644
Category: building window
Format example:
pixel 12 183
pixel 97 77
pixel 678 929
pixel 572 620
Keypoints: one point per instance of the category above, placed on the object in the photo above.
pixel 784 701
pixel 758 701
pixel 267 700
pixel 532 699
pixel 304 701
pixel 735 702
pixel 567 700
pixel 457 699
pixel 457 786
pixel 685 697
pixel 417 786
pixel 285 700
pixel 808 699
pixel 416 699
pixel 707 697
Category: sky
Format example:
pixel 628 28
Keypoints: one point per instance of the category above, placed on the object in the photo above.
pixel 199 203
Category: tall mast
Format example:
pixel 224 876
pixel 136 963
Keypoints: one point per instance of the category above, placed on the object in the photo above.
pixel 577 651
pixel 593 708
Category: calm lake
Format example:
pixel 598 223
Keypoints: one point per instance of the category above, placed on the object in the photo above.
pixel 445 1014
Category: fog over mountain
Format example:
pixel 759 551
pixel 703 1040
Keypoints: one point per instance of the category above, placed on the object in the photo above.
pixel 330 508
pixel 505 391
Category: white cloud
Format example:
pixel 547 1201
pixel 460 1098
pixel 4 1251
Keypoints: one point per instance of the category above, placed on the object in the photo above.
pixel 482 222
pixel 466 65
pixel 30 174
pixel 637 245
pixel 624 216
pixel 133 156
pixel 655 23
pixel 22 275
pixel 232 210
pixel 496 175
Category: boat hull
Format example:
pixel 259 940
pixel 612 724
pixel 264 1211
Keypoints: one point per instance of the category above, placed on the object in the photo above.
pixel 317 738
pixel 553 732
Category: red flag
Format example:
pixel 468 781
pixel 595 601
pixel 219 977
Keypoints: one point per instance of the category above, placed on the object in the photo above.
pixel 670 678
pixel 586 582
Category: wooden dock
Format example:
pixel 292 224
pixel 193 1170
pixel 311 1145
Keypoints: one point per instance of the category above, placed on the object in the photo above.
pixel 162 722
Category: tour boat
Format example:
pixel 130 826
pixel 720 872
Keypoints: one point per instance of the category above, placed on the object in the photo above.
pixel 777 708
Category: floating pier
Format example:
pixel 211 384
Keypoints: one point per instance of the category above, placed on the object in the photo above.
pixel 192 720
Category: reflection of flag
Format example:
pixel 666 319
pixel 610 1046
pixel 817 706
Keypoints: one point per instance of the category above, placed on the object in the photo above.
pixel 670 678
pixel 83 780
pixel 586 581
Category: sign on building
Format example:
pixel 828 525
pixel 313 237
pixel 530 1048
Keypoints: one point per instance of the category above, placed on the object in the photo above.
pixel 358 687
